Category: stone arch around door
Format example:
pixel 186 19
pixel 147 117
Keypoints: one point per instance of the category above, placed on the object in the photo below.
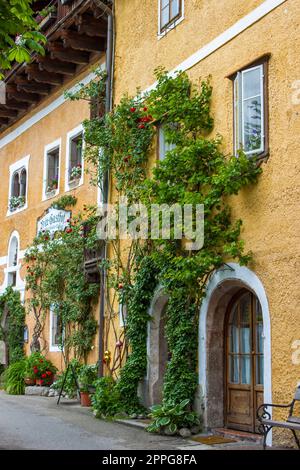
pixel 222 287
pixel 157 353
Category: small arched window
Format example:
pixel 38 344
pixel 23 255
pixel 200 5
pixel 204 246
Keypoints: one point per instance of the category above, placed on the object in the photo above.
pixel 12 265
pixel 18 189
pixel 16 185
pixel 23 181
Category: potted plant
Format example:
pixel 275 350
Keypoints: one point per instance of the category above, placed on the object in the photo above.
pixel 86 378
pixel 76 172
pixel 52 185
pixel 40 369
pixel 15 202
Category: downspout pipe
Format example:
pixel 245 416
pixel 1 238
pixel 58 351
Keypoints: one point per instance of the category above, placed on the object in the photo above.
pixel 108 108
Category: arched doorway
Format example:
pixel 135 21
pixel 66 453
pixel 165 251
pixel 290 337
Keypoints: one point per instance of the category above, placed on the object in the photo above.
pixel 244 361
pixel 157 352
pixel 224 288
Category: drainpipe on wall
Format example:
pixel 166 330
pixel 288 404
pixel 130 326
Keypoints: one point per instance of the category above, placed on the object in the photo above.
pixel 108 108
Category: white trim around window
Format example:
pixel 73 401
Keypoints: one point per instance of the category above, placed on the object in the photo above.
pixel 160 33
pixel 20 164
pixel 249 111
pixel 52 347
pixel 70 135
pixel 52 146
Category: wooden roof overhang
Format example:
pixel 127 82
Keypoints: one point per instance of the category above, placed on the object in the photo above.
pixel 76 37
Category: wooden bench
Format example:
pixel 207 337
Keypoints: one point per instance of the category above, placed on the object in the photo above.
pixel 292 422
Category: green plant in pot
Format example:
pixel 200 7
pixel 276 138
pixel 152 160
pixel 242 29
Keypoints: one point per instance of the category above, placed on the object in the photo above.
pixel 87 377
pixel 40 369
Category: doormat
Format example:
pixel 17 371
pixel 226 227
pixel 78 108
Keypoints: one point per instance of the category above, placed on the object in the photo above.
pixel 211 440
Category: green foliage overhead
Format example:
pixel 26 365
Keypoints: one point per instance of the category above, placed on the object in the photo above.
pixel 19 35
pixel 13 333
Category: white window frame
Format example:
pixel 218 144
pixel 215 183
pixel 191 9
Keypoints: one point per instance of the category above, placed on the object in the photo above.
pixel 160 33
pixel 163 146
pixel 70 135
pixel 239 141
pixel 20 164
pixel 52 146
pixel 122 316
pixel 52 348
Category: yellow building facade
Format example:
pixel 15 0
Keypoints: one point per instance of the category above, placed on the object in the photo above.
pixel 226 41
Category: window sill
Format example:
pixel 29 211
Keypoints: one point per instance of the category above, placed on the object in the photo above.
pixel 16 211
pixel 162 33
pixel 50 194
pixel 55 349
pixel 73 184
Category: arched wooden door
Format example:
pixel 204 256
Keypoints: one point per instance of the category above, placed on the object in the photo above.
pixel 244 362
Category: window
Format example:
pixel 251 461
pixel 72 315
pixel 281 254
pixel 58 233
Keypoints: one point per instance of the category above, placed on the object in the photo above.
pixel 163 145
pixel 56 331
pixel 51 169
pixel 74 158
pixel 17 199
pixel 250 110
pixel 122 314
pixel 12 263
pixel 170 10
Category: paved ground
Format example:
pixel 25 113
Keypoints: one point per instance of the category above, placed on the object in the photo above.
pixel 31 422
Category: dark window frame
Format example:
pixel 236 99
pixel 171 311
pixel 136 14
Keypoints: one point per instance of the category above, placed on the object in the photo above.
pixel 163 28
pixel 264 61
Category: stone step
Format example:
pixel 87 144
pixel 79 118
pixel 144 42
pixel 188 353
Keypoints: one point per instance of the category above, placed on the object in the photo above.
pixel 238 435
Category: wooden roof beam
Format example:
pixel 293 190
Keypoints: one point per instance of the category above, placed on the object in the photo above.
pixel 8 113
pixel 3 121
pixel 33 72
pixel 57 66
pixel 87 24
pixel 82 42
pixel 20 106
pixel 12 92
pixel 24 84
pixel 68 55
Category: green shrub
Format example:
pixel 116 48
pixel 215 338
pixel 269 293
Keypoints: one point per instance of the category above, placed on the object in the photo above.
pixel 14 378
pixel 173 417
pixel 88 374
pixel 106 399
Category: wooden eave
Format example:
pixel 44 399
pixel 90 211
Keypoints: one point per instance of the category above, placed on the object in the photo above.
pixel 74 41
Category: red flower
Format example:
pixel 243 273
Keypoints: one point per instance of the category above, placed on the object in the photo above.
pixel 69 230
pixel 132 110
pixel 141 126
pixel 48 372
pixel 145 109
pixel 41 360
pixel 44 376
pixel 120 286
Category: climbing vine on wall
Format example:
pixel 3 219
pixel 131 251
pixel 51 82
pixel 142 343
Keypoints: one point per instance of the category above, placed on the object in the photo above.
pixel 56 279
pixel 195 171
pixel 12 326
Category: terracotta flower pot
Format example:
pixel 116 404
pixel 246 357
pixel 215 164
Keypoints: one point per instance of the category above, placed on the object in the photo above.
pixel 85 399
pixel 29 381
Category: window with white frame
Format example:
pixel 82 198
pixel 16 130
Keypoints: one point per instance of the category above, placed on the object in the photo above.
pixel 12 262
pixel 122 314
pixel 250 110
pixel 56 331
pixel 51 169
pixel 18 186
pixel 163 145
pixel 169 12
pixel 74 160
